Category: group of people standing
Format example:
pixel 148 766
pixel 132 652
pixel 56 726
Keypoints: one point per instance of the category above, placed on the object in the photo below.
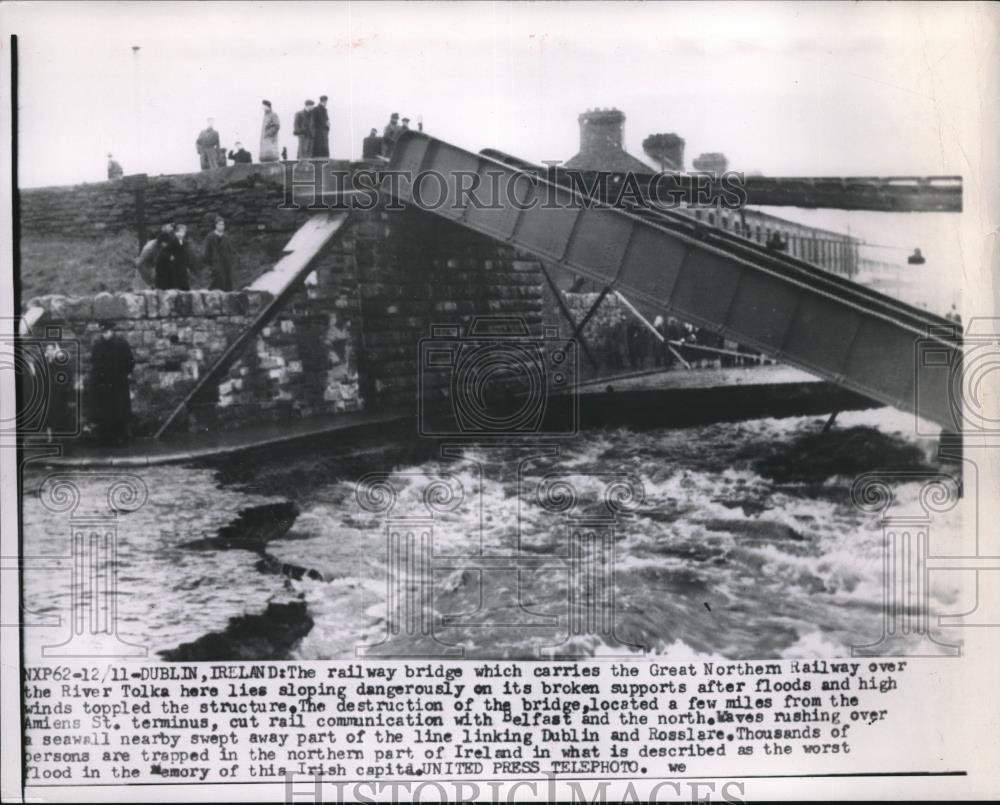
pixel 213 155
pixel 169 261
pixel 629 344
pixel 393 130
pixel 312 128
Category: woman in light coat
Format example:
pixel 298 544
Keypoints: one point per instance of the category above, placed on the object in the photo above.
pixel 269 135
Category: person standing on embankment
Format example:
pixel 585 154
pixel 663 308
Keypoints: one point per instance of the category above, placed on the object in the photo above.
pixel 269 134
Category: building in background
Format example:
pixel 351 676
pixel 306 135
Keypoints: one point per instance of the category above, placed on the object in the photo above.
pixel 602 137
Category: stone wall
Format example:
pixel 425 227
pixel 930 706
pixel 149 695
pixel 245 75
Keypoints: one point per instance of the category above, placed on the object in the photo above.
pixel 417 270
pixel 249 197
pixel 302 363
pixel 348 340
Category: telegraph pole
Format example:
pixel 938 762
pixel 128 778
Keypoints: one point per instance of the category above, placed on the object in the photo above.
pixel 138 113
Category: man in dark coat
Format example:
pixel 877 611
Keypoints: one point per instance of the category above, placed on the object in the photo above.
pixel 166 255
pixel 186 263
pixel 146 262
pixel 638 341
pixel 321 129
pixel 219 257
pixel 174 262
pixel 111 365
pixel 371 146
pixel 303 129
pixel 390 134
pixel 114 168
pixel 240 156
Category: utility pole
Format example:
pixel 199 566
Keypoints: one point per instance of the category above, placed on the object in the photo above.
pixel 138 113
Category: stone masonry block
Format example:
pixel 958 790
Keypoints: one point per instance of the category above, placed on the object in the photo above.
pixel 135 305
pixel 109 306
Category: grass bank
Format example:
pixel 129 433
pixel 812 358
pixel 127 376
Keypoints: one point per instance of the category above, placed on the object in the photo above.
pixel 77 266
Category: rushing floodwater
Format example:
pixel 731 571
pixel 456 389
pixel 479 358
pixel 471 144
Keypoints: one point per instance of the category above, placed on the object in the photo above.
pixel 744 544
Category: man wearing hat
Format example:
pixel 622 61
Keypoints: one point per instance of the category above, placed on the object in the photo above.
pixel 240 156
pixel 304 130
pixel 269 134
pixel 207 146
pixel 321 129
pixel 389 135
pixel 114 168
pixel 111 364
pixel 371 146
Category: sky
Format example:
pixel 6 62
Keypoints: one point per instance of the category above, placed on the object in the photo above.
pixel 807 89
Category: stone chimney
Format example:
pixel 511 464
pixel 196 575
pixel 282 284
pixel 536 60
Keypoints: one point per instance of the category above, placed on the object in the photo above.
pixel 601 130
pixel 602 143
pixel 713 163
pixel 666 150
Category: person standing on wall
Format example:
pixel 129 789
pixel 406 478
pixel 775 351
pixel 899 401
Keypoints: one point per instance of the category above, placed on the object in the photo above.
pixel 207 146
pixel 114 169
pixel 240 156
pixel 389 134
pixel 219 257
pixel 321 129
pixel 111 365
pixel 371 146
pixel 269 134
pixel 303 129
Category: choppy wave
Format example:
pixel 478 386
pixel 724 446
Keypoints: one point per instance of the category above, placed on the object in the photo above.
pixel 739 540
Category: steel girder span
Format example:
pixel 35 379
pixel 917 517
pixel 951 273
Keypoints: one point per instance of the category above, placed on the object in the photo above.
pixel 850 335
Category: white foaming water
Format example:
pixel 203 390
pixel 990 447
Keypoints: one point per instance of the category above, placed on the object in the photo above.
pixel 743 543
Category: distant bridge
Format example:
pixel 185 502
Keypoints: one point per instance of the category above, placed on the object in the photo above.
pixel 879 194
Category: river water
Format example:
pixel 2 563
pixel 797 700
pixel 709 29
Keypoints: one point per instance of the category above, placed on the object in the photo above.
pixel 734 540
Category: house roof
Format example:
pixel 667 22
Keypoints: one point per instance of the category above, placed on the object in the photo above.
pixel 608 159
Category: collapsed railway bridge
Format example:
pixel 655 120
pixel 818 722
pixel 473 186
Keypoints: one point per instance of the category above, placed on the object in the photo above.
pixel 334 328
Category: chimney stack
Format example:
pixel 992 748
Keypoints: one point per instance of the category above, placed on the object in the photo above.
pixel 666 150
pixel 601 130
pixel 714 163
